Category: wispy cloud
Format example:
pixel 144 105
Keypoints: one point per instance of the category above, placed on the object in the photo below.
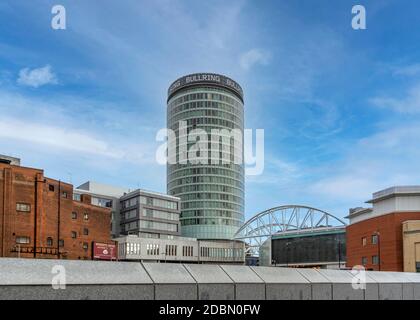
pixel 409 104
pixel 37 77
pixel 66 125
pixel 56 137
pixel 409 70
pixel 277 171
pixel 389 157
pixel 254 57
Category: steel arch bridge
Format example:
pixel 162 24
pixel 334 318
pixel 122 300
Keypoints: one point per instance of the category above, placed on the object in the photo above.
pixel 283 220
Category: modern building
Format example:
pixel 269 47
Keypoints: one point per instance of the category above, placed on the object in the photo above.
pixel 324 248
pixel 384 237
pixel 180 249
pixel 10 160
pixel 106 196
pixel 151 222
pixel 40 219
pixel 211 190
pixel 150 214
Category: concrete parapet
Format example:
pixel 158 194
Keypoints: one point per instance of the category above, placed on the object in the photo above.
pixel 45 279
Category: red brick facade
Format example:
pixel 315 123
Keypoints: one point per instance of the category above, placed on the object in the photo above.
pixel 390 244
pixel 40 219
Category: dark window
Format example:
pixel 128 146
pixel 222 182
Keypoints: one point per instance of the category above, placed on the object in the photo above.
pixel 375 260
pixel 86 231
pixel 374 239
pixel 61 243
pixel 49 241
pixel 51 187
pixel 74 234
pixel 74 215
pixel 364 261
pixel 85 246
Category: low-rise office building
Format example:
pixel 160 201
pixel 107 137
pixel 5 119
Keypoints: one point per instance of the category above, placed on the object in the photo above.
pixel 11 160
pixel 40 219
pixel 383 237
pixel 150 215
pixel 105 196
pixel 151 224
pixel 180 249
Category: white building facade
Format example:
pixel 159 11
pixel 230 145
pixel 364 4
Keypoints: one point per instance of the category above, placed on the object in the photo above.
pixel 180 249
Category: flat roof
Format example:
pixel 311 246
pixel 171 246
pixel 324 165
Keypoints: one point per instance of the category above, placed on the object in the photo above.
pixel 102 189
pixel 310 233
pixel 395 191
pixel 3 156
pixel 358 212
pixel 152 193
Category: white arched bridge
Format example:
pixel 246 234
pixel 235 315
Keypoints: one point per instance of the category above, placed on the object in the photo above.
pixel 282 220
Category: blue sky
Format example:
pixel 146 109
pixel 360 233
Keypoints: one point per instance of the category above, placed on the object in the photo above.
pixel 340 107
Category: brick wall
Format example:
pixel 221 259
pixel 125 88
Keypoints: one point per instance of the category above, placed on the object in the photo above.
pixel 391 243
pixel 49 218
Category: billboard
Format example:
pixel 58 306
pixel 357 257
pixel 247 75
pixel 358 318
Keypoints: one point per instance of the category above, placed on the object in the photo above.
pixel 103 251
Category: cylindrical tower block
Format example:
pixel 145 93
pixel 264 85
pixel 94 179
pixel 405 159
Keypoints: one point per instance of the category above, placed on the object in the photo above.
pixel 212 193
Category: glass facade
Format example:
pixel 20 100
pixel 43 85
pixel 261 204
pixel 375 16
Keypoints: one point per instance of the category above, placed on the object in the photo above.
pixel 149 214
pixel 315 248
pixel 212 194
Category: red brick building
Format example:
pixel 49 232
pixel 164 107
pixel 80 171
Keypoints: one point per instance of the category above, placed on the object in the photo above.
pixel 375 235
pixel 40 219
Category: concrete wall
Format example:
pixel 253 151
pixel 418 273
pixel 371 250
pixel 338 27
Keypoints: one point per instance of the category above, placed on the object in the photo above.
pixel 33 279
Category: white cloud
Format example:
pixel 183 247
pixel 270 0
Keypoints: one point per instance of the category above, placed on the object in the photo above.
pixel 350 187
pixel 409 104
pixel 56 137
pixel 37 77
pixel 87 139
pixel 70 124
pixel 387 158
pixel 277 171
pixel 410 70
pixel 383 159
pixel 253 57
